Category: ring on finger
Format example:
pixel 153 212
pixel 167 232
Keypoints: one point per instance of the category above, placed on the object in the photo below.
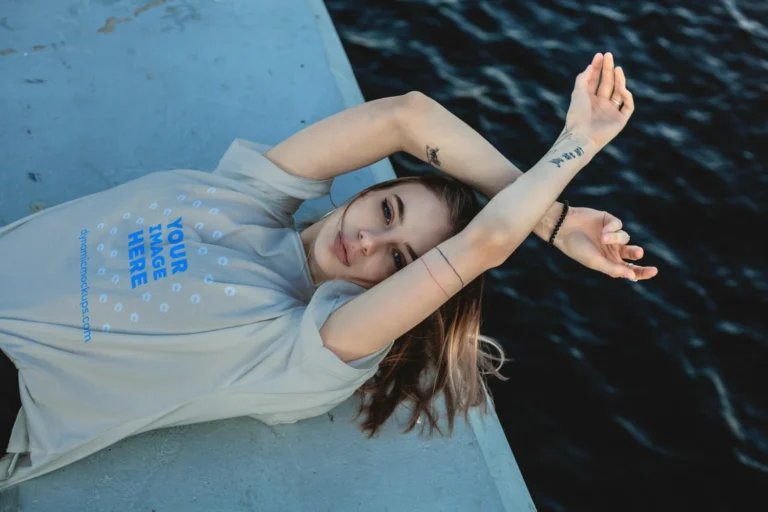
pixel 631 265
pixel 619 103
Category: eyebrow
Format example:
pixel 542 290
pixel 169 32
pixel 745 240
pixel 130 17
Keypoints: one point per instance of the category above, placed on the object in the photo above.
pixel 401 216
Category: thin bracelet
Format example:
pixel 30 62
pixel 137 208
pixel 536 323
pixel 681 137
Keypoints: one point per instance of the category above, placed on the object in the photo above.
pixel 433 277
pixel 557 227
pixel 449 264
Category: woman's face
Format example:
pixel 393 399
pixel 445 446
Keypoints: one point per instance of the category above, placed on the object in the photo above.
pixel 381 233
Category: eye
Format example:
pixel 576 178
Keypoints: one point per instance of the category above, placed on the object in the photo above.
pixel 387 211
pixel 398 258
pixel 398 261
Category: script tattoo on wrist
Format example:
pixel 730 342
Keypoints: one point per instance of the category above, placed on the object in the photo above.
pixel 568 155
pixel 432 156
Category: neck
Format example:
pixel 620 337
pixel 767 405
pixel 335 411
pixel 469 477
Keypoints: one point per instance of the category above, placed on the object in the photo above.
pixel 308 239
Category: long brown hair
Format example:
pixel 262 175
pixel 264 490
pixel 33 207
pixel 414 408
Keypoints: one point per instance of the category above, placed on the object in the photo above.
pixel 445 352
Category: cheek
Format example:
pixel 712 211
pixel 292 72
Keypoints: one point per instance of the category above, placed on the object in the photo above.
pixel 381 268
pixel 369 273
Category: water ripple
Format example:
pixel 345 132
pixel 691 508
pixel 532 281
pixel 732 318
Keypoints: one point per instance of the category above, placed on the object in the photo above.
pixel 747 461
pixel 607 12
pixel 726 409
pixel 752 26
pixel 639 435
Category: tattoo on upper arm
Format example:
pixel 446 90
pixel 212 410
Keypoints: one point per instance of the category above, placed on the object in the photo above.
pixel 432 156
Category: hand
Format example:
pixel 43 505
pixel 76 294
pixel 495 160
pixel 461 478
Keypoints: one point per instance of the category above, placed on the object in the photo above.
pixel 595 239
pixel 594 111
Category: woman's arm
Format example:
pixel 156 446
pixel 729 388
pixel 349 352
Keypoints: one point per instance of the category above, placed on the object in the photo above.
pixel 373 319
pixel 346 141
pixel 434 135
pixel 364 134
pixel 391 308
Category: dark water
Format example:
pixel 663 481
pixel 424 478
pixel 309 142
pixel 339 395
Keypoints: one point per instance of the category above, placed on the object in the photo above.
pixel 623 396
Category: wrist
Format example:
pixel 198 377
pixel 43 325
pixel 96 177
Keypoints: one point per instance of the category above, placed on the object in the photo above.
pixel 547 224
pixel 580 137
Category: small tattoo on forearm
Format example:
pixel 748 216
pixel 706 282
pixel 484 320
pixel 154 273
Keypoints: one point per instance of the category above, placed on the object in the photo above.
pixel 432 156
pixel 568 155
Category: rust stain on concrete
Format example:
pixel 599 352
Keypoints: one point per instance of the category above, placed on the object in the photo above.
pixel 7 51
pixel 109 25
pixel 38 47
pixel 36 207
pixel 150 5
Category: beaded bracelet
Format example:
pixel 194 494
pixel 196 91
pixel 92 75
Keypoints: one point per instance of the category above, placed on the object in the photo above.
pixel 559 223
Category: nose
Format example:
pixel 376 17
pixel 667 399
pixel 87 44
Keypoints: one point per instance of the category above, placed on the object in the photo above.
pixel 370 240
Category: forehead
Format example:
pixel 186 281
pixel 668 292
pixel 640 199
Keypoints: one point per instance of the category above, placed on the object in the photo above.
pixel 427 221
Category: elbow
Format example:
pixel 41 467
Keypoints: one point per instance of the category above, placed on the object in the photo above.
pixel 410 104
pixel 499 248
pixel 415 102
pixel 416 98
pixel 494 245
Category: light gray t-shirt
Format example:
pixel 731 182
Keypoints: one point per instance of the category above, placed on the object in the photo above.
pixel 178 297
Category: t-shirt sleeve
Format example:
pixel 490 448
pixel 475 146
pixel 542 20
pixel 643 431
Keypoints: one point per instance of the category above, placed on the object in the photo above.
pixel 329 297
pixel 321 380
pixel 245 162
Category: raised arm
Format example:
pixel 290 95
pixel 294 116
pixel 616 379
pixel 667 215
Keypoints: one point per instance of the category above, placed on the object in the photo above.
pixel 364 134
pixel 435 135
pixel 391 308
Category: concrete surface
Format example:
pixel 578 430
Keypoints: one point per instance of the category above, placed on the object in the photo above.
pixel 97 93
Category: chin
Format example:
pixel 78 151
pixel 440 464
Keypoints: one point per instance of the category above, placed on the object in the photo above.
pixel 331 266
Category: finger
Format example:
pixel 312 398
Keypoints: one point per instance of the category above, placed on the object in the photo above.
pixel 618 270
pixel 642 273
pixel 597 63
pixel 620 81
pixel 613 223
pixel 605 89
pixel 617 237
pixel 621 89
pixel 631 252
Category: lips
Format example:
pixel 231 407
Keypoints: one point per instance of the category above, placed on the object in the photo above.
pixel 341 250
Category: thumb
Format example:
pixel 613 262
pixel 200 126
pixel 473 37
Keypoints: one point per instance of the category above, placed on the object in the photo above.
pixel 583 78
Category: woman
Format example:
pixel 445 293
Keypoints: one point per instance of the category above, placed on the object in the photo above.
pixel 186 296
